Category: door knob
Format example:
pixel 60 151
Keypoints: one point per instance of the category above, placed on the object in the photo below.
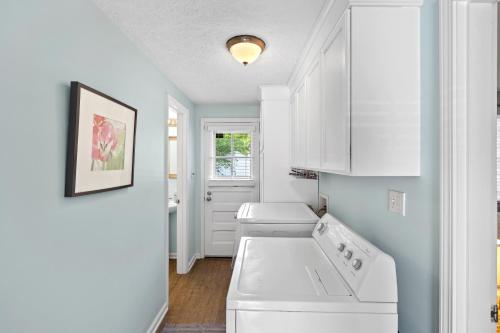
pixel 209 193
pixel 209 198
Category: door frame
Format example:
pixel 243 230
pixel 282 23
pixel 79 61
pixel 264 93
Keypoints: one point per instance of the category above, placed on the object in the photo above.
pixel 203 122
pixel 182 252
pixel 468 70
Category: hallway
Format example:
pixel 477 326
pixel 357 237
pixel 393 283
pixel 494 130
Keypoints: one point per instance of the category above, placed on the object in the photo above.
pixel 198 297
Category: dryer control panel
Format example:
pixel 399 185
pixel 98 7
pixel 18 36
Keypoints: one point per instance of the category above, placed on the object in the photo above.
pixel 370 273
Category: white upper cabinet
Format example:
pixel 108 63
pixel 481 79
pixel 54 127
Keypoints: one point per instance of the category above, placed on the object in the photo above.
pixel 385 91
pixel 357 91
pixel 336 113
pixel 300 128
pixel 293 130
pixel 313 116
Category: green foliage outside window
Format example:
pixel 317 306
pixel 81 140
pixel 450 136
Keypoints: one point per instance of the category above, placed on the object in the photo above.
pixel 241 144
pixel 230 145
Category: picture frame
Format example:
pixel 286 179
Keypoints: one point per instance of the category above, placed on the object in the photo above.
pixel 101 142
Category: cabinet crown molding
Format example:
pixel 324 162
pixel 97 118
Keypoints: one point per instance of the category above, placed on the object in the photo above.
pixel 274 92
pixel 386 3
pixel 331 12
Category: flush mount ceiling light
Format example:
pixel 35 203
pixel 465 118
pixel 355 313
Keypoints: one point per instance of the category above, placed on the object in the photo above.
pixel 245 48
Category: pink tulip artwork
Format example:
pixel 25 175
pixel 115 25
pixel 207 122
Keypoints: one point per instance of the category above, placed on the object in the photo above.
pixel 108 144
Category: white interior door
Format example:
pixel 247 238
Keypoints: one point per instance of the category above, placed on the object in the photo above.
pixel 231 178
pixel 481 164
pixel 179 180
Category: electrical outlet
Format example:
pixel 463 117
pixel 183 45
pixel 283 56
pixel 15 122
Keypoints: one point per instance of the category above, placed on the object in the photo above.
pixel 323 202
pixel 397 202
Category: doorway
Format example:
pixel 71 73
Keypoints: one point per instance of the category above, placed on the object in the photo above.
pixel 230 177
pixel 468 85
pixel 178 184
pixel 498 167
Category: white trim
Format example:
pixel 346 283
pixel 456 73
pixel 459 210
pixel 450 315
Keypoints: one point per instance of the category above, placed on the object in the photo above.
pixel 466 82
pixel 192 261
pixel 274 93
pixel 231 120
pixel 158 319
pixel 166 208
pixel 446 102
pixel 202 188
pixel 203 122
pixel 386 3
pixel 183 121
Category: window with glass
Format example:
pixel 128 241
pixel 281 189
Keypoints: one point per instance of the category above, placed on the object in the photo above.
pixel 233 155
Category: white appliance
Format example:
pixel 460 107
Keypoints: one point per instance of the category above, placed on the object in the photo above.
pixel 276 183
pixel 335 281
pixel 276 219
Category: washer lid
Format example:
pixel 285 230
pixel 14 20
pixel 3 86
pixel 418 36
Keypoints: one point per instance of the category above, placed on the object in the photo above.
pixel 282 212
pixel 278 267
pixel 292 274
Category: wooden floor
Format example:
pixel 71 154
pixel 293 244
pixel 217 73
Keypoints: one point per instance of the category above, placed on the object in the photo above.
pixel 199 297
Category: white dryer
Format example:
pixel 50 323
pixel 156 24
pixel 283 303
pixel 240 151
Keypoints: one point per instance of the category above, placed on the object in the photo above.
pixel 335 281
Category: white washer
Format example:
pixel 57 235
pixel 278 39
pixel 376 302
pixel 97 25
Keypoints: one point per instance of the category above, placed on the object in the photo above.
pixel 283 219
pixel 333 282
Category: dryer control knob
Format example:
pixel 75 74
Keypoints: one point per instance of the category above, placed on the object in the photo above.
pixel 341 247
pixel 321 228
pixel 348 254
pixel 356 264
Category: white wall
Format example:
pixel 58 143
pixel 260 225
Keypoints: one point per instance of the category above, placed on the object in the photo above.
pixel 276 183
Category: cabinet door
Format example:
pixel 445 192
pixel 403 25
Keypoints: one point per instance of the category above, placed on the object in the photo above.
pixel 313 115
pixel 336 141
pixel 301 129
pixel 293 130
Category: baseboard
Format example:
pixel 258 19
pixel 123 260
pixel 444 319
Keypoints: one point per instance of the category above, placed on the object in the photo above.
pixel 172 255
pixel 158 319
pixel 192 261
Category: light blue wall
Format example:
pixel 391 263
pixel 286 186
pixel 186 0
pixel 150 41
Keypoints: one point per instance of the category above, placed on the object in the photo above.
pixel 93 263
pixel 211 111
pixel 361 202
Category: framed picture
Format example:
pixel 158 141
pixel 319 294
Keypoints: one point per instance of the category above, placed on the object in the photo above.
pixel 101 142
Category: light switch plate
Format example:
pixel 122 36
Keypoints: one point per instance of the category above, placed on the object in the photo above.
pixel 397 202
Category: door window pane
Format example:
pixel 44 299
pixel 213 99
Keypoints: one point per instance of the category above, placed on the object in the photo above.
pixel 222 144
pixel 242 144
pixel 233 155
pixel 241 167
pixel 223 167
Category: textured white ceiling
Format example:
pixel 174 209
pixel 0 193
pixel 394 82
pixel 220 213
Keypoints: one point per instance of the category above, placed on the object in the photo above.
pixel 186 38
